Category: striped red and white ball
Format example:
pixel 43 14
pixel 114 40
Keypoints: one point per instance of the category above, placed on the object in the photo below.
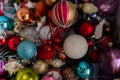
pixel 64 14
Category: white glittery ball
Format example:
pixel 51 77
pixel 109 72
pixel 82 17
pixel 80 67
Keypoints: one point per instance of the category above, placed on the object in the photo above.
pixel 75 46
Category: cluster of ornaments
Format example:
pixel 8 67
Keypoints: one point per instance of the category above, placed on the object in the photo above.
pixel 57 39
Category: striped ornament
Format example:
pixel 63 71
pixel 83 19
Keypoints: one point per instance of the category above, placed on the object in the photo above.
pixel 64 14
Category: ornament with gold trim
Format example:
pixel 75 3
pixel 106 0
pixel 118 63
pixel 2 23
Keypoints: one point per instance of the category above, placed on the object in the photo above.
pixel 64 14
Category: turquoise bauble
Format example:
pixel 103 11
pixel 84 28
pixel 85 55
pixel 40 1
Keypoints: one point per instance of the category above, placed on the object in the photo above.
pixel 26 49
pixel 84 70
pixel 6 23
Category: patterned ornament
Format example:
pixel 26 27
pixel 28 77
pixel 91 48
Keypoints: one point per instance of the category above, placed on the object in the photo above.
pixel 75 46
pixel 26 49
pixel 27 74
pixel 64 14
pixel 41 66
pixel 56 63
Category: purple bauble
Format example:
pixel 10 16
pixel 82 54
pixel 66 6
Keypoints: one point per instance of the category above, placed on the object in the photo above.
pixel 106 6
pixel 110 60
pixel 2 63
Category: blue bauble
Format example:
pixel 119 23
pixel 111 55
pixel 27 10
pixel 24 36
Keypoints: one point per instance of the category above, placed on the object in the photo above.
pixel 84 70
pixel 26 49
pixel 6 23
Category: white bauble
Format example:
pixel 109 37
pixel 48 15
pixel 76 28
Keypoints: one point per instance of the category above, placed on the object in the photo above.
pixel 75 46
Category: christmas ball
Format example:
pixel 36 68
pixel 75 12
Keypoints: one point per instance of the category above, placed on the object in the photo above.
pixel 94 56
pixel 14 42
pixel 50 2
pixel 84 70
pixel 75 46
pixel 27 74
pixel 86 28
pixel 41 66
pixel 106 6
pixel 2 63
pixel 26 49
pixel 64 14
pixel 45 52
pixel 110 60
pixel 48 77
pixel 2 42
pixel 6 23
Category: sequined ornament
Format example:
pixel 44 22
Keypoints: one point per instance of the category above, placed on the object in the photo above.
pixel 2 63
pixel 55 73
pixel 75 46
pixel 26 49
pixel 12 67
pixel 41 66
pixel 6 23
pixel 56 63
pixel 27 74
pixel 84 70
pixel 64 14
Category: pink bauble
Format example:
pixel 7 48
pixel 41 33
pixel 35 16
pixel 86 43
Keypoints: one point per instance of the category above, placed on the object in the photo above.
pixel 64 14
pixel 48 77
pixel 2 63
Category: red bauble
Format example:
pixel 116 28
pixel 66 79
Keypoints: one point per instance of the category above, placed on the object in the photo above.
pixel 86 28
pixel 13 42
pixel 45 52
pixel 2 42
pixel 94 56
pixel 90 43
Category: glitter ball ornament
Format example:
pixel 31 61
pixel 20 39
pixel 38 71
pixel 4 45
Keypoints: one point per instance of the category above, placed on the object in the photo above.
pixel 41 66
pixel 84 70
pixel 64 14
pixel 75 46
pixel 27 74
pixel 26 49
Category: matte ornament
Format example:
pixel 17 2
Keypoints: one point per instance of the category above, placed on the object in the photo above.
pixel 106 6
pixel 26 49
pixel 75 46
pixel 27 74
pixel 64 14
pixel 84 70
pixel 14 42
pixel 5 23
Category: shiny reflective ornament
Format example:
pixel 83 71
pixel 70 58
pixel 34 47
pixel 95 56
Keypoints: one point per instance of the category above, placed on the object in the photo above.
pixel 55 73
pixel 27 74
pixel 48 77
pixel 89 8
pixel 75 46
pixel 50 2
pixel 64 14
pixel 41 66
pixel 84 70
pixel 2 63
pixel 14 42
pixel 110 60
pixel 106 7
pixel 26 49
pixel 86 28
pixel 6 23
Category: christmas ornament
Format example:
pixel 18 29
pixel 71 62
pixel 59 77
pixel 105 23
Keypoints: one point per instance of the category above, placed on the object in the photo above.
pixel 75 46
pixel 12 67
pixel 2 34
pixel 45 52
pixel 41 66
pixel 117 79
pixel 109 60
pixel 27 74
pixel 26 49
pixel 56 63
pixel 69 74
pixel 89 8
pixel 55 73
pixel 50 2
pixel 106 6
pixel 94 56
pixel 86 28
pixel 64 14
pixel 84 70
pixel 47 77
pixel 6 23
pixel 2 63
pixel 14 42
pixel 40 8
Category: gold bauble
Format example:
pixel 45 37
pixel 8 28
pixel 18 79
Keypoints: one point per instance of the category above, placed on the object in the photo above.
pixel 41 66
pixel 50 2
